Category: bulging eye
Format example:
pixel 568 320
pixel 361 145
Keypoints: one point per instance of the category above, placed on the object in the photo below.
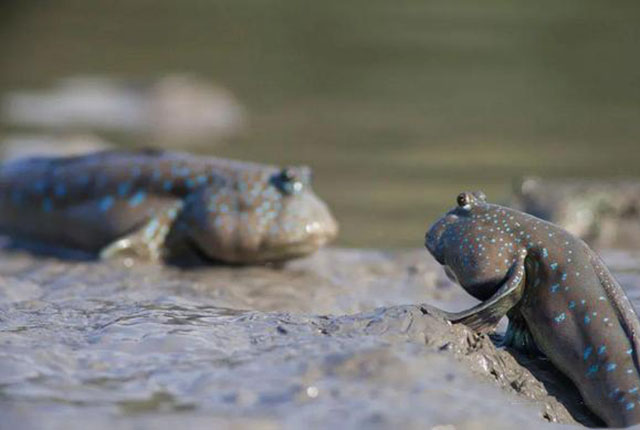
pixel 288 181
pixel 287 174
pixel 462 200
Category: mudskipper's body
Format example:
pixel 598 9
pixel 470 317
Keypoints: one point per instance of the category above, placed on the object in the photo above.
pixel 121 201
pixel 557 293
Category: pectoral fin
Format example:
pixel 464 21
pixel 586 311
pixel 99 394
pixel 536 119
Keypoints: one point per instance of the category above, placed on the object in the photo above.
pixel 147 241
pixel 484 316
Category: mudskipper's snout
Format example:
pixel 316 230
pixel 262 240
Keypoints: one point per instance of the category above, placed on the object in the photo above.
pixel 433 241
pixel 304 225
pixel 429 242
pixel 322 228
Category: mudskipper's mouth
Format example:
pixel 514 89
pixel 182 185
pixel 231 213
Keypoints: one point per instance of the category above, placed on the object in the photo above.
pixel 432 240
pixel 297 248
pixel 291 250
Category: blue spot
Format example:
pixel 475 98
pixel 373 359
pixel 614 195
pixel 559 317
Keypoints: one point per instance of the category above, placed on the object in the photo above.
pixel 630 406
pixel 592 370
pixel 39 186
pixel 553 266
pixel 137 198
pixel 190 183
pixel 545 253
pixel 167 185
pixel 106 203
pixel 202 179
pixel 564 276
pixel 602 349
pixel 633 390
pixel 123 188
pixel 560 317
pixel 47 205
pixel 587 320
pixel 629 351
pixel 60 190
pixel 587 352
pixel 555 287
pixel 611 367
pixel 572 304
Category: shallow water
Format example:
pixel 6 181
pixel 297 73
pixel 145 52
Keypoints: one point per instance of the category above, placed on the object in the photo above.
pixel 104 344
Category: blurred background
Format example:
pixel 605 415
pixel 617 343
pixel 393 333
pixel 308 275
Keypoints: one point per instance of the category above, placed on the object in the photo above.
pixel 397 105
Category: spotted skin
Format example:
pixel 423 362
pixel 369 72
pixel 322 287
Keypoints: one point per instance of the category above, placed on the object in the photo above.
pixel 231 211
pixel 570 306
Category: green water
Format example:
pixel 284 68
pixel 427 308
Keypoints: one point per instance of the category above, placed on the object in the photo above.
pixel 397 105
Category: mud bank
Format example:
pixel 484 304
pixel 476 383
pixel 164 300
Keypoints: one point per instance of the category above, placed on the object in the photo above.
pixel 343 338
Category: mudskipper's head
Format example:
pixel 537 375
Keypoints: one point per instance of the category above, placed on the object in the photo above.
pixel 263 215
pixel 475 242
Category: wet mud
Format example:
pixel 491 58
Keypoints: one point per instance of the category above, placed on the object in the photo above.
pixel 345 338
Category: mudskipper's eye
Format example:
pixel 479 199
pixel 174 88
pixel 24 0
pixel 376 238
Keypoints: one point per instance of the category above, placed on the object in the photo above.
pixel 462 199
pixel 287 174
pixel 288 181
